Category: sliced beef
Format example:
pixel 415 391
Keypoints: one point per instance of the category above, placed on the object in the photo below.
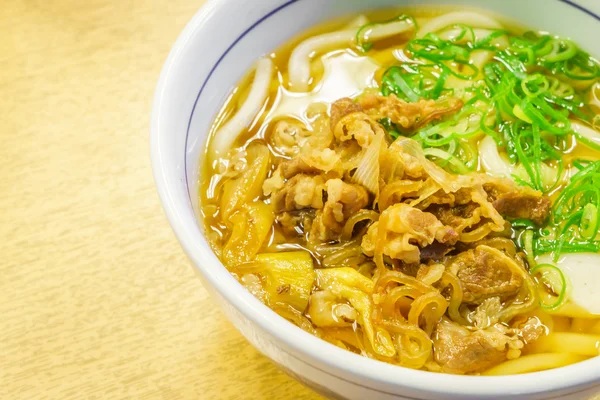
pixel 486 272
pixel 518 202
pixel 460 351
pixel 435 251
pixel 504 244
pixel 408 115
pixel 343 201
pixel 341 108
pixel 295 223
pixel 334 200
pixel 300 192
pixel 523 205
pixel 453 216
pixel 407 230
pixel 295 166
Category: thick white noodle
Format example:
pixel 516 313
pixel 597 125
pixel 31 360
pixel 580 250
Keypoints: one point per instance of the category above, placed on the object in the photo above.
pixel 299 64
pixel 494 164
pixel 357 22
pixel 586 133
pixel 226 135
pixel 471 18
pixel 382 31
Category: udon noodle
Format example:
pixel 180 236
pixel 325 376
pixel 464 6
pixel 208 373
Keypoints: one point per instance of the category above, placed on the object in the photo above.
pixel 421 190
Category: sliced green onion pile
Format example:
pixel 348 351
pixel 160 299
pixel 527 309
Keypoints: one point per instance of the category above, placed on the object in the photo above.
pixel 523 98
pixel 575 215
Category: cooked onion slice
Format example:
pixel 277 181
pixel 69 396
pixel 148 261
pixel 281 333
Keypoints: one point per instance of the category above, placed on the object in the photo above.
pixel 367 173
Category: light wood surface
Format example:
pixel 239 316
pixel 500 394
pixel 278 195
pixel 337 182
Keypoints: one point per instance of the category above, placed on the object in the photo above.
pixel 97 300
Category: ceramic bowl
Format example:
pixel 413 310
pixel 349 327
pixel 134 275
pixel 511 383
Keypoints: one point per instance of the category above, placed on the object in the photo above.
pixel 211 55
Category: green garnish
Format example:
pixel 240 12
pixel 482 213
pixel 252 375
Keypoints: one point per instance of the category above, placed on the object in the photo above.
pixel 394 81
pixel 528 246
pixel 574 215
pixel 525 102
pixel 390 128
pixel 554 279
pixel 522 223
pixel 589 222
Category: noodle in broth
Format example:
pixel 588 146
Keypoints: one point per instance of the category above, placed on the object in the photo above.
pixel 417 187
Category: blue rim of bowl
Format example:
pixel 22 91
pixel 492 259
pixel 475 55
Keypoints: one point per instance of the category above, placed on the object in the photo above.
pixel 213 69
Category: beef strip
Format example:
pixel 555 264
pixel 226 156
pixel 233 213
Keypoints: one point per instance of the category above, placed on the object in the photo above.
pixel 523 205
pixel 408 115
pixel 407 231
pixel 483 274
pixel 518 202
pixel 295 166
pixel 341 108
pixel 461 351
pixel 435 251
pixel 300 192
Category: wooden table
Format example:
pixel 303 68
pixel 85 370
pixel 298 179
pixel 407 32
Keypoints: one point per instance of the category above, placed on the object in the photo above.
pixel 97 300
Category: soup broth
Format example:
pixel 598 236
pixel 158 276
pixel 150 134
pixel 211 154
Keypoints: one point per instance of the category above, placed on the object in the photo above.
pixel 418 186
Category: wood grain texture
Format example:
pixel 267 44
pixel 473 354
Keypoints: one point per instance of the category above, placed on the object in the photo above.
pixel 97 300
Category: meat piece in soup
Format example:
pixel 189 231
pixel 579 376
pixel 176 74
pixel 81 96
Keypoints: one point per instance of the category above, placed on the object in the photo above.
pixel 461 351
pixel 485 272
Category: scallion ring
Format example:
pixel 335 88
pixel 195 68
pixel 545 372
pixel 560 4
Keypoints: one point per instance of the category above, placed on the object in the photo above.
pixel 554 279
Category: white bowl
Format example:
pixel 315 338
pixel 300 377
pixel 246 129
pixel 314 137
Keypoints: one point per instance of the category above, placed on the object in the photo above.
pixel 212 53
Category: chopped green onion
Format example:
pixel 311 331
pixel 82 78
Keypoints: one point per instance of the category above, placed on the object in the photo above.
pixel 559 88
pixel 528 247
pixel 513 64
pixel 485 42
pixel 543 246
pixel 575 212
pixel 537 82
pixel 562 50
pixel 581 67
pixel 589 222
pixel 441 155
pixel 524 102
pixel 393 81
pixel 518 111
pixel 390 128
pixel 522 223
pixel 554 279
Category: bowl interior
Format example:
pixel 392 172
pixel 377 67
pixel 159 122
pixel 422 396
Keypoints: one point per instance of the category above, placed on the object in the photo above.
pixel 215 51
